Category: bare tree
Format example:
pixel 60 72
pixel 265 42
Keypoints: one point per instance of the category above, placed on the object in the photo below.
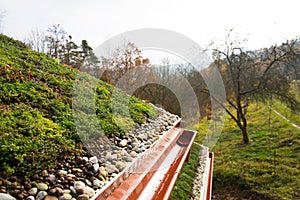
pixel 123 60
pixel 257 74
pixel 37 40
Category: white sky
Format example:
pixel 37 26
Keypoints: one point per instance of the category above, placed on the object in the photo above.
pixel 263 22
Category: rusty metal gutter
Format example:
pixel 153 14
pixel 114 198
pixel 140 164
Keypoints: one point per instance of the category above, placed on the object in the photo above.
pixel 154 173
pixel 210 176
pixel 167 180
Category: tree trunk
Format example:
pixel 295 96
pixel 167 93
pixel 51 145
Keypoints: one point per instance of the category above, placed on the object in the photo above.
pixel 244 130
pixel 242 121
pixel 245 135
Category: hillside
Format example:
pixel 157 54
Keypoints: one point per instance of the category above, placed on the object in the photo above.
pixel 36 120
pixel 267 168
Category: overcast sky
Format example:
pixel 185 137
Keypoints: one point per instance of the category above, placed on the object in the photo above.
pixel 263 22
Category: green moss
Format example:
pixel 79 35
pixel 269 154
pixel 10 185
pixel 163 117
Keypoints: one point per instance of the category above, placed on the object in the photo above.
pixel 36 100
pixel 184 183
pixel 29 142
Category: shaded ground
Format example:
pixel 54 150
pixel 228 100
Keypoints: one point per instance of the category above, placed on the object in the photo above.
pixel 223 193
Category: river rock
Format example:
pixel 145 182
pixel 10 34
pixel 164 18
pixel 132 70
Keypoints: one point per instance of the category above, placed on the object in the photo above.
pixel 89 191
pixel 127 159
pixel 71 175
pixel 88 182
pixel 108 156
pixel 79 186
pixel 86 159
pixel 30 198
pixel 6 182
pixel 52 192
pixel 62 172
pixel 102 177
pixel 4 196
pixel 123 143
pixel 114 156
pixel 58 191
pixel 41 195
pixel 42 186
pixel 51 198
pixel 77 170
pixel 110 168
pixel 83 197
pixel 67 191
pixel 65 197
pixel 96 183
pixel 94 159
pixel 96 167
pixel 33 191
pixel 44 173
pixel 120 165
pixel 133 154
pixel 52 178
pixel 102 171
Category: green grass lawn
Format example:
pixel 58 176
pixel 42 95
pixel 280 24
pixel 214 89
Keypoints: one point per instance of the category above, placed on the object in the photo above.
pixel 267 168
pixel 287 112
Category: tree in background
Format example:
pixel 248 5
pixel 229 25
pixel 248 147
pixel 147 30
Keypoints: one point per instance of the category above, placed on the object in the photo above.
pixel 55 40
pixel 249 74
pixel 70 54
pixel 122 61
pixel 198 84
pixel 160 94
pixel 57 44
pixel 37 40
pixel 175 75
pixel 128 69
pixel 89 59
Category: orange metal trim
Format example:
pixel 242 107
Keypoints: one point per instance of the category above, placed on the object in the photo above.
pixel 135 167
pixel 210 176
pixel 168 182
pixel 132 187
pixel 143 176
